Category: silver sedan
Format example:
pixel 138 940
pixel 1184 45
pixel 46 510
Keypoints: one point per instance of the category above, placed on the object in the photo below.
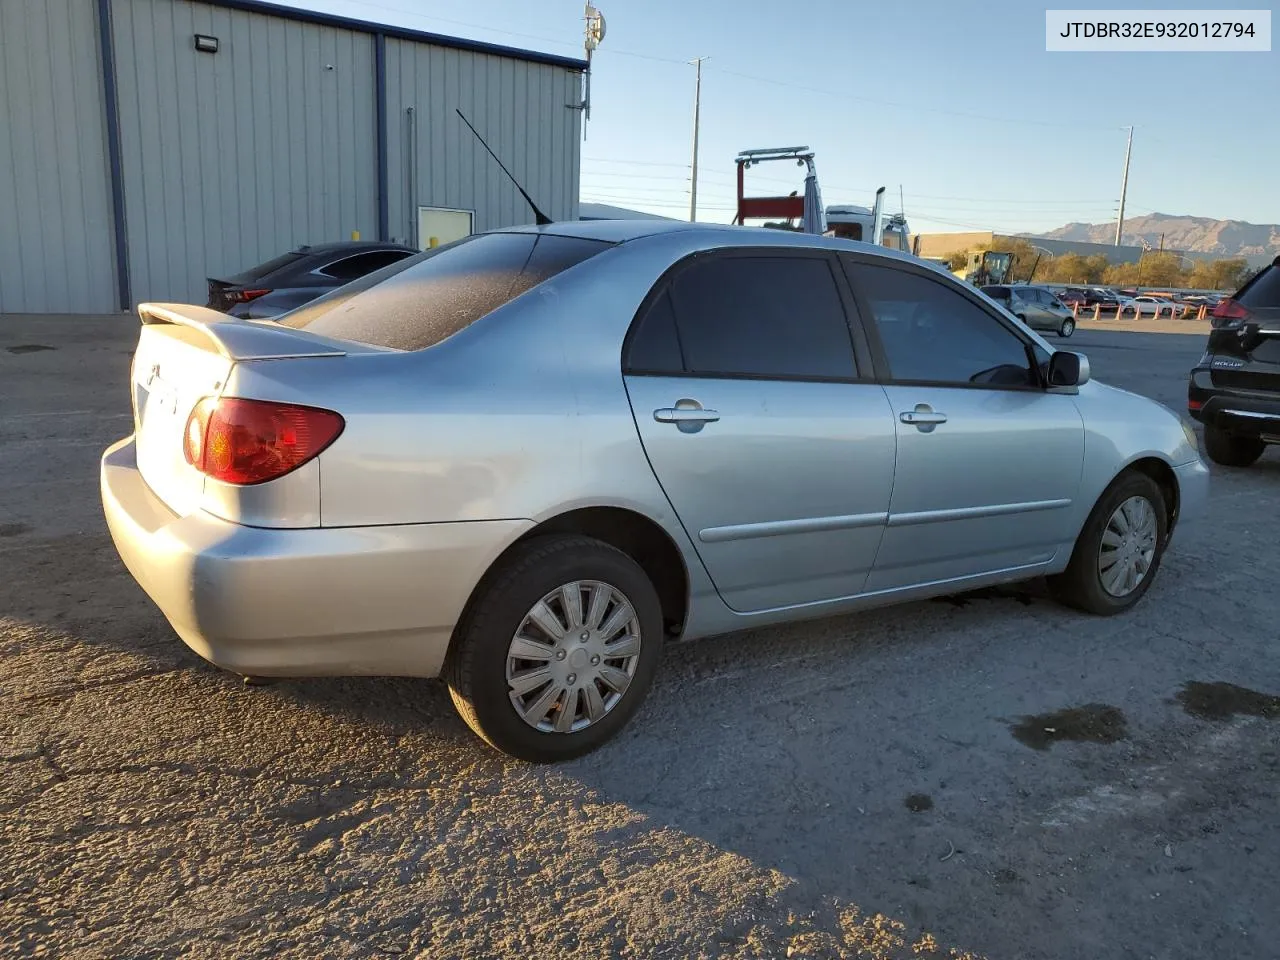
pixel 526 460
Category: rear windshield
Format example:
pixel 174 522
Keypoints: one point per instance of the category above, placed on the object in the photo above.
pixel 254 274
pixel 428 297
pixel 1263 291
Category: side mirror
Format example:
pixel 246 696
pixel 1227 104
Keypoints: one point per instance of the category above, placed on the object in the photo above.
pixel 1067 369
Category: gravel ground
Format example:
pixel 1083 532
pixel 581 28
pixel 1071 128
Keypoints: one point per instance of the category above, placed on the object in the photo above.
pixel 989 774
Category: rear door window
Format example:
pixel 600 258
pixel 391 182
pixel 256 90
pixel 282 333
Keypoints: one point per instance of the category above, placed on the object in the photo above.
pixel 767 316
pixel 422 300
pixel 1263 291
pixel 654 344
pixel 262 270
pixel 354 267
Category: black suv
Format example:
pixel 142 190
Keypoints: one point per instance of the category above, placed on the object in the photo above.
pixel 1235 387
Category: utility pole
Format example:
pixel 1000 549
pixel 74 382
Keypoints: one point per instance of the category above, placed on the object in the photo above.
pixel 1124 187
pixel 697 110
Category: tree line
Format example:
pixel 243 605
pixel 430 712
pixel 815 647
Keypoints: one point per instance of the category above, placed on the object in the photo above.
pixel 1155 269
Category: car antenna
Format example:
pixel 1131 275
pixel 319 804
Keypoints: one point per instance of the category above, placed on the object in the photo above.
pixel 539 217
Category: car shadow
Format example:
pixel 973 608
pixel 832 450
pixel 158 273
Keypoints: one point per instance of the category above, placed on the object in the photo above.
pixel 867 758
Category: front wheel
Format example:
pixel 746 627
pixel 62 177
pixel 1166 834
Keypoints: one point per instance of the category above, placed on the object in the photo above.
pixel 1229 450
pixel 1118 552
pixel 1068 328
pixel 557 650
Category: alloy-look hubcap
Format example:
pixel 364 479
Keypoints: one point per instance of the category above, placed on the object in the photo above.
pixel 1128 547
pixel 573 656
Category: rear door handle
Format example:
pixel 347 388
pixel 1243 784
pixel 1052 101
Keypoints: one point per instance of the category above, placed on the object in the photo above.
pixel 921 417
pixel 685 415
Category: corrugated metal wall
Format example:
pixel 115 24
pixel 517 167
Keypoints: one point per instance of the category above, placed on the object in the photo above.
pixel 234 157
pixel 231 158
pixel 520 108
pixel 56 247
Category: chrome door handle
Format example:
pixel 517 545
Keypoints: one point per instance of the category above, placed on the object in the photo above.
pixel 685 415
pixel 920 417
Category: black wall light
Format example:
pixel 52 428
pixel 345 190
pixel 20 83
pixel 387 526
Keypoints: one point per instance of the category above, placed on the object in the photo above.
pixel 206 43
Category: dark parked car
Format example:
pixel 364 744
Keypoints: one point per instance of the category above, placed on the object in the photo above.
pixel 299 276
pixel 1075 296
pixel 1101 297
pixel 1235 387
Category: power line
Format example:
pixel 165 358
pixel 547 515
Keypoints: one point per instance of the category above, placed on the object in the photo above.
pixel 507 33
pixel 933 196
pixel 905 106
pixel 1030 121
pixel 628 177
pixel 843 188
pixel 638 163
pixel 650 202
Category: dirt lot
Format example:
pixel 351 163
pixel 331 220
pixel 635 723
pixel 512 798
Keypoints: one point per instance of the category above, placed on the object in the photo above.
pixel 990 774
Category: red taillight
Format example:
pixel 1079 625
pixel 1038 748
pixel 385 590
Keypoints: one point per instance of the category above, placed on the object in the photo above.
pixel 1228 313
pixel 1195 404
pixel 244 296
pixel 253 441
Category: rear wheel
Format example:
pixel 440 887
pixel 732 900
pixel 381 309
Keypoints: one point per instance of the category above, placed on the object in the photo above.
pixel 557 650
pixel 1118 552
pixel 1230 450
pixel 1068 328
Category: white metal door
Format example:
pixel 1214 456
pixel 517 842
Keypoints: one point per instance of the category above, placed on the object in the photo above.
pixel 438 226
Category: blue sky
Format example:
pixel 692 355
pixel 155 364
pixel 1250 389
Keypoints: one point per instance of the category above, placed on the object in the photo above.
pixel 959 103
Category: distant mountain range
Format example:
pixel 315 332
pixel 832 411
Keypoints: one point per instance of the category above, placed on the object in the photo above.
pixel 1258 242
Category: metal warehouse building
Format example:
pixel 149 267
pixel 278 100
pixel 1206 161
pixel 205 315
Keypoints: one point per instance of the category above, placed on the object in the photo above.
pixel 146 145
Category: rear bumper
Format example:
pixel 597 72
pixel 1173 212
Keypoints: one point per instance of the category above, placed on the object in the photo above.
pixel 350 601
pixel 1240 413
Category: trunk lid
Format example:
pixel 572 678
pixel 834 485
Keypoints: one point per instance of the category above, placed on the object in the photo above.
pixel 184 354
pixel 220 294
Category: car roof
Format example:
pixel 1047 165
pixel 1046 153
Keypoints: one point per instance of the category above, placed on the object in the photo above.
pixel 348 246
pixel 727 234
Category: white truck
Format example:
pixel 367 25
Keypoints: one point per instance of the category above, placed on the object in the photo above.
pixel 869 224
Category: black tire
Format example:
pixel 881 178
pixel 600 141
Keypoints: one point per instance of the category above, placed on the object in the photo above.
pixel 1080 585
pixel 1230 450
pixel 1068 328
pixel 476 669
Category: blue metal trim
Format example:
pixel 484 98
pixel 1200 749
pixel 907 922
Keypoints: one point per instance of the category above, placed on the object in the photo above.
pixel 107 46
pixel 380 110
pixel 400 33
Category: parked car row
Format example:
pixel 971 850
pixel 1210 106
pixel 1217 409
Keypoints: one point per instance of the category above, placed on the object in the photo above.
pixel 526 460
pixel 1090 297
pixel 1147 304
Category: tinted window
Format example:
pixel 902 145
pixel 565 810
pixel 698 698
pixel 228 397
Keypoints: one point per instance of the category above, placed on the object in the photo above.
pixel 254 274
pixel 1264 291
pixel 429 296
pixel 762 316
pixel 997 293
pixel 655 345
pixel 352 268
pixel 936 334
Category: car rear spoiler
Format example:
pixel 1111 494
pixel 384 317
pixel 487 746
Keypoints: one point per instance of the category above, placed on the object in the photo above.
pixel 238 339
